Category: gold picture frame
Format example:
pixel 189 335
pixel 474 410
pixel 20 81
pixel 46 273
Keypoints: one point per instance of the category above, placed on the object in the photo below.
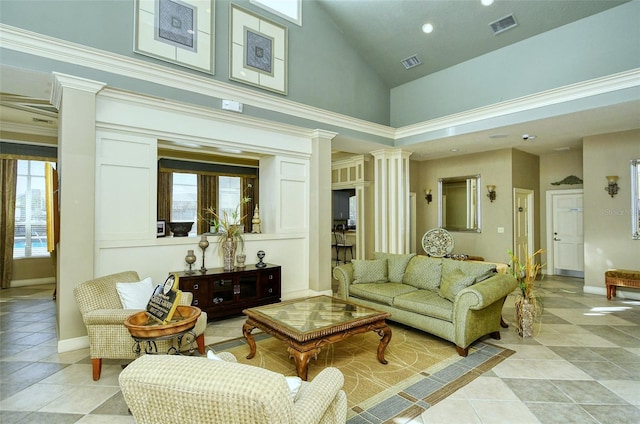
pixel 258 51
pixel 176 31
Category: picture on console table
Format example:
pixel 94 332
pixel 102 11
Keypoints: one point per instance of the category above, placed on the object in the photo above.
pixel 161 228
pixel 176 31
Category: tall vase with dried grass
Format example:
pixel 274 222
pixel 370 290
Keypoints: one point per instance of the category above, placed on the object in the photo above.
pixel 527 302
pixel 230 230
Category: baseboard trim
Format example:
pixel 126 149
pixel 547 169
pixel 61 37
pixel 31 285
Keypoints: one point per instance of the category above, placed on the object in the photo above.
pixel 33 282
pixel 620 292
pixel 75 343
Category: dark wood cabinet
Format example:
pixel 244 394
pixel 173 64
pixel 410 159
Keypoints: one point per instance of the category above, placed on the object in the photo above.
pixel 222 293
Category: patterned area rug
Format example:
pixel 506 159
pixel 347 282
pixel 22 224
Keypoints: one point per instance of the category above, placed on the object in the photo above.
pixel 422 369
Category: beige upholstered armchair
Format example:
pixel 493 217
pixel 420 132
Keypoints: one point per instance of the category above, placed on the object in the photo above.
pixel 187 389
pixel 103 315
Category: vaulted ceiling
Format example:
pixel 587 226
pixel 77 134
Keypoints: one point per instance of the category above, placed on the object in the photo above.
pixel 385 32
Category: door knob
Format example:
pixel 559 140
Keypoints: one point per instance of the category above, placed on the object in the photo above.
pixel 556 239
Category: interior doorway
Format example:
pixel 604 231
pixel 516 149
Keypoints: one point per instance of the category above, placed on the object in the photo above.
pixel 523 231
pixel 565 237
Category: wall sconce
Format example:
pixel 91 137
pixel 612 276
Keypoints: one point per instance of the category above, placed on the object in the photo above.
pixel 492 192
pixel 428 196
pixel 612 187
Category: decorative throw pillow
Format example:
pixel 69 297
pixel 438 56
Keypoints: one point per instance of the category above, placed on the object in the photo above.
pixel 135 295
pixel 369 271
pixel 294 384
pixel 453 282
pixel 396 264
pixel 423 272
pixel 213 356
pixel 480 271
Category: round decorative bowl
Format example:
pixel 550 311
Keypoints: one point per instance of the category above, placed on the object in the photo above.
pixel 180 229
pixel 437 242
pixel 143 326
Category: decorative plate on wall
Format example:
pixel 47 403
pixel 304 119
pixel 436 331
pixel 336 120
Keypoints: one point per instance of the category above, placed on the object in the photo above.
pixel 437 242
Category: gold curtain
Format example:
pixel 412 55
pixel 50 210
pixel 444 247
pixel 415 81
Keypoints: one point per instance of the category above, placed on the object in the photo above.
pixel 8 178
pixel 165 185
pixel 207 197
pixel 247 208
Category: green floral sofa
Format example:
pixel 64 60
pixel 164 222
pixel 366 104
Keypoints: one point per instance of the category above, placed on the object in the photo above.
pixel 459 301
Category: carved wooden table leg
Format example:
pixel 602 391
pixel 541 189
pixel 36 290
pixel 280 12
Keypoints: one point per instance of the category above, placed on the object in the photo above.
pixel 302 360
pixel 385 333
pixel 247 328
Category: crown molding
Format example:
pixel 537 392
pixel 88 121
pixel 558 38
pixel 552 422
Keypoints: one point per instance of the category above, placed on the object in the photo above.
pixel 29 129
pixel 62 82
pixel 581 90
pixel 53 48
pixel 150 102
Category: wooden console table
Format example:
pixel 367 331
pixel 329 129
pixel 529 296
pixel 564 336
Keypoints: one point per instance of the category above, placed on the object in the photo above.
pixel 223 293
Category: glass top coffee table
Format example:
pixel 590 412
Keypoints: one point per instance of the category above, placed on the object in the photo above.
pixel 308 325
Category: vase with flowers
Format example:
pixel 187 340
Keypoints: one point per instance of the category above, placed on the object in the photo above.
pixel 527 304
pixel 230 230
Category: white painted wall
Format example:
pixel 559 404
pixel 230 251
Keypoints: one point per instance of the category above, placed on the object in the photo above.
pixel 124 164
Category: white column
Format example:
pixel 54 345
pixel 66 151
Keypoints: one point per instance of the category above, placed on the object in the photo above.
pixel 391 199
pixel 320 211
pixel 75 99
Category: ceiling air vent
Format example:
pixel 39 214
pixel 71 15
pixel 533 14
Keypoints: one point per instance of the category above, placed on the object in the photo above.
pixel 503 24
pixel 411 62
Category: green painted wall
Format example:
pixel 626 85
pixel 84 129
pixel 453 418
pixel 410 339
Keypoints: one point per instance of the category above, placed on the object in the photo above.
pixel 603 44
pixel 324 71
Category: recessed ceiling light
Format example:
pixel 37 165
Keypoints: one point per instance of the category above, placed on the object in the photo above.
pixel 486 2
pixel 427 28
pixel 454 150
pixel 528 137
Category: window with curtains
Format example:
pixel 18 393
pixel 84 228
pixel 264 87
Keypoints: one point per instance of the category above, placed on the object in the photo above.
pixel 30 235
pixel 184 199
pixel 187 189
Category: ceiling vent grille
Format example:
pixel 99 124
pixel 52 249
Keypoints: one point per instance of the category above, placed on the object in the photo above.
pixel 503 24
pixel 411 62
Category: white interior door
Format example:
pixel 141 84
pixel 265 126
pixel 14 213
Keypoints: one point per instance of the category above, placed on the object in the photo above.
pixel 568 237
pixel 523 222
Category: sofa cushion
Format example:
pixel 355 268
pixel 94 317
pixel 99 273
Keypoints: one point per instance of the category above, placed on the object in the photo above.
pixel 396 264
pixel 480 271
pixel 423 272
pixel 453 282
pixel 382 293
pixel 425 302
pixel 369 271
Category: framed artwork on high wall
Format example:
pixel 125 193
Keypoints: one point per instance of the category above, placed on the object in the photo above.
pixel 258 51
pixel 176 31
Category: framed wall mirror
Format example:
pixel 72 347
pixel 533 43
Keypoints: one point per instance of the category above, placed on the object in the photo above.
pixel 635 199
pixel 459 203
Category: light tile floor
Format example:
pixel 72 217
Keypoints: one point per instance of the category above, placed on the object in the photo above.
pixel 581 366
